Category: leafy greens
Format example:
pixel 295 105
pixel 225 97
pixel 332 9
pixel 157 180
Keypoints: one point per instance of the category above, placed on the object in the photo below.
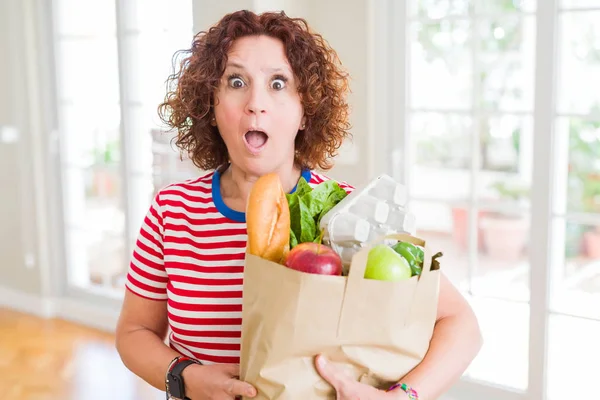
pixel 307 207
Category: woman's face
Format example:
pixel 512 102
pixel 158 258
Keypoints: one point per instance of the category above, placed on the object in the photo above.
pixel 258 109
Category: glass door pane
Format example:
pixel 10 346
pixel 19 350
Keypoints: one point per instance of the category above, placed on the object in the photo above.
pixel 471 136
pixel 108 134
pixel 441 67
pixel 154 33
pixel 503 219
pixel 504 358
pixel 91 148
pixel 573 358
pixel 575 285
pixel 578 62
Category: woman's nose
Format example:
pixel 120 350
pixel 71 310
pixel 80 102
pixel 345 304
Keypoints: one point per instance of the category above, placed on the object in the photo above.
pixel 257 102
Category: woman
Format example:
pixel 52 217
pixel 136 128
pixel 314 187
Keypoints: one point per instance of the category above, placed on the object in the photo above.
pixel 257 94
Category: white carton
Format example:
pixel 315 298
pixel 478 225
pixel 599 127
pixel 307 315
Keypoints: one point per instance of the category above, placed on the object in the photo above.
pixel 368 213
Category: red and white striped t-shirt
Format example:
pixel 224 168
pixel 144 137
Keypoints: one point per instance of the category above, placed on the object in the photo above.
pixel 190 252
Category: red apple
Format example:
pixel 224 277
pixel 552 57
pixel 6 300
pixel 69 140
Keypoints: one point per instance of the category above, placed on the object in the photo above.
pixel 314 258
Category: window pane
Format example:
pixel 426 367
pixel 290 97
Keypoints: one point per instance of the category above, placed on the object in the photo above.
pixel 106 259
pixel 95 220
pixel 583 173
pixel 167 166
pixel 89 17
pixel 441 65
pixel 437 9
pixel 93 199
pixel 579 56
pixel 506 161
pixel 442 140
pixel 502 268
pixel 90 136
pixel 149 62
pixel 141 194
pixel 507 55
pixel 573 358
pixel 95 257
pixel 506 145
pixel 158 15
pixel 574 4
pixel 576 269
pixel 88 70
pixel 505 6
pixel 442 155
pixel 445 228
pixel 504 357
pixel 138 127
pixel 157 31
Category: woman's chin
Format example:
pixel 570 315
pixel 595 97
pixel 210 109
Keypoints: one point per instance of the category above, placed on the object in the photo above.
pixel 258 166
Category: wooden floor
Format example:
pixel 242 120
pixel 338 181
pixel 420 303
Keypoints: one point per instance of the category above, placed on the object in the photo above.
pixel 54 359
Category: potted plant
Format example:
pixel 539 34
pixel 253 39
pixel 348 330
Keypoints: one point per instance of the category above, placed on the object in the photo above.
pixel 505 234
pixel 584 178
pixel 106 157
pixel 591 204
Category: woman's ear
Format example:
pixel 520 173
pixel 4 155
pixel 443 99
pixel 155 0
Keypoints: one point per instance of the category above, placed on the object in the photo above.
pixel 302 123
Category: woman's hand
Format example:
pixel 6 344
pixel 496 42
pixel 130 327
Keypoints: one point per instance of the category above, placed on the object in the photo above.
pixel 348 389
pixel 215 382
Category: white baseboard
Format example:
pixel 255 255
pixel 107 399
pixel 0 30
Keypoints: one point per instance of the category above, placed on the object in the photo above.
pixel 101 318
pixel 69 309
pixel 26 302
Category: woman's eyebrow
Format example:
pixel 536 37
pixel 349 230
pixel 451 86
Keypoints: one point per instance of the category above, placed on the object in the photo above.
pixel 277 70
pixel 235 65
pixel 272 70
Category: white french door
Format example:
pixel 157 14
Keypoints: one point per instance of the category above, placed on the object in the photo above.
pixel 112 58
pixel 499 144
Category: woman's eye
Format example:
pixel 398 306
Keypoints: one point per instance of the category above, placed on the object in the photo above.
pixel 236 83
pixel 278 84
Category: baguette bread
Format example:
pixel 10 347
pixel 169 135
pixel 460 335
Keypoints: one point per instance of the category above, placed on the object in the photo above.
pixel 268 219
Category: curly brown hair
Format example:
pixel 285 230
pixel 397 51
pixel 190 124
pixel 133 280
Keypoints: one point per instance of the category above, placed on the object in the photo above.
pixel 322 85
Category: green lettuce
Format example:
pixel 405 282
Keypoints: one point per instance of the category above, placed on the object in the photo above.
pixel 307 207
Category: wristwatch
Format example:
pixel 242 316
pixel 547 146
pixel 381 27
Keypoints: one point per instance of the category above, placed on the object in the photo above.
pixel 174 385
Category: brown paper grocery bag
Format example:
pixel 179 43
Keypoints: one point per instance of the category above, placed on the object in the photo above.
pixel 377 331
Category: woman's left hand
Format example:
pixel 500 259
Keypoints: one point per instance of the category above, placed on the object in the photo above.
pixel 348 389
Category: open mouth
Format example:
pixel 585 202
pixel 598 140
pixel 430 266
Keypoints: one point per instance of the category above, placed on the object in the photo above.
pixel 255 140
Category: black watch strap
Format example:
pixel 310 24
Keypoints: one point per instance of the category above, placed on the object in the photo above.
pixel 175 384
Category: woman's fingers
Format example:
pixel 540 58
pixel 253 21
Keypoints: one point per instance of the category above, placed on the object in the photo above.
pixel 232 370
pixel 236 387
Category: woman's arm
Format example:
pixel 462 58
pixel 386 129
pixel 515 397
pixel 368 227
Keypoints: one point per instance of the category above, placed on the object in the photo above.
pixel 455 343
pixel 140 338
pixel 141 334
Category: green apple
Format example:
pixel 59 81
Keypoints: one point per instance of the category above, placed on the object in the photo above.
pixel 384 264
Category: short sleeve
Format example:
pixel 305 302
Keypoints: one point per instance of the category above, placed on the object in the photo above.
pixel 347 187
pixel 146 275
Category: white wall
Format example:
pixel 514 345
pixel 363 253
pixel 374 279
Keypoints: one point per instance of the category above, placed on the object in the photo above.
pixel 28 247
pixel 17 208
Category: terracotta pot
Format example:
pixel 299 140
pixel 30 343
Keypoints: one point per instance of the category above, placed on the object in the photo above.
pixel 591 243
pixel 460 220
pixel 505 237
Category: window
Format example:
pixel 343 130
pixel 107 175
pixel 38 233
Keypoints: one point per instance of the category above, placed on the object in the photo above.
pixel 471 69
pixel 470 124
pixel 574 321
pixel 112 61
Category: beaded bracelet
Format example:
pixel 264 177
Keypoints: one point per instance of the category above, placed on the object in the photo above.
pixel 412 393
